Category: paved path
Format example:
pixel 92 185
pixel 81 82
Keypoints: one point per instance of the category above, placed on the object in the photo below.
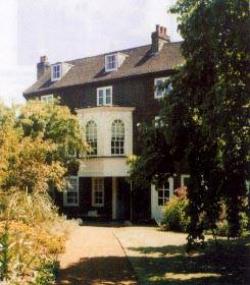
pixel 95 256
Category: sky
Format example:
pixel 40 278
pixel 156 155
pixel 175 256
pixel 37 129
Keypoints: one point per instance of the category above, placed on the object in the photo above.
pixel 70 29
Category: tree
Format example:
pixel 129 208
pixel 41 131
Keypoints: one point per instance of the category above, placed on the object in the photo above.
pixel 152 161
pixel 40 143
pixel 213 86
pixel 207 113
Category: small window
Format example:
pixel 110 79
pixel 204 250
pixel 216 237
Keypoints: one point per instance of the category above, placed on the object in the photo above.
pixel 97 192
pixel 71 194
pixel 165 192
pixel 118 137
pixel 111 62
pixel 56 72
pixel 91 137
pixel 104 96
pixel 47 98
pixel 185 180
pixel 160 91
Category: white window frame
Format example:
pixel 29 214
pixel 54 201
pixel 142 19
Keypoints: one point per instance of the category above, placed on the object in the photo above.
pixel 104 89
pixel 53 73
pixel 48 98
pixel 183 176
pixel 170 189
pixel 93 138
pixel 93 190
pixel 116 139
pixel 65 193
pixel 107 56
pixel 164 91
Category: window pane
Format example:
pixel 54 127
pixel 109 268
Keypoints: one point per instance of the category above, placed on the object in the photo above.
pixel 118 137
pixel 104 96
pixel 56 71
pixel 71 191
pixel 163 194
pixel 91 137
pixel 111 62
pixel 100 97
pixel 98 191
pixel 108 96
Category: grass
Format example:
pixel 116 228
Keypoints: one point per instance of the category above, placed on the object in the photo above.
pixel 225 262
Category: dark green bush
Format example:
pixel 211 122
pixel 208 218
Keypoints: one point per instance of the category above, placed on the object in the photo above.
pixel 175 218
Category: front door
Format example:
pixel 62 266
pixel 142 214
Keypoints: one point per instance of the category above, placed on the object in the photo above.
pixel 123 199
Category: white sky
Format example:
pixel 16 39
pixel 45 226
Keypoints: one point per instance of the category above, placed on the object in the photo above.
pixel 69 29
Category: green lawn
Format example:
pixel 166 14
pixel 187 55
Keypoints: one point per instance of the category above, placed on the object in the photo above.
pixel 226 263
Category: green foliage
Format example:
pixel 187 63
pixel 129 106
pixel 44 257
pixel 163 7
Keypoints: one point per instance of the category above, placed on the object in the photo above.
pixel 211 91
pixel 56 124
pixel 36 145
pixel 206 115
pixel 47 273
pixel 35 150
pixel 175 218
pixel 151 165
pixel 4 254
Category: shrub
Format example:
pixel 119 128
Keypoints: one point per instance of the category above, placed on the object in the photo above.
pixel 223 226
pixel 47 272
pixel 175 218
pixel 31 232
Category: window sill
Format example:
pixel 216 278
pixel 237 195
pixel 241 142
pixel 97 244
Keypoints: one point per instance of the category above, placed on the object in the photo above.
pixel 71 205
pixel 104 156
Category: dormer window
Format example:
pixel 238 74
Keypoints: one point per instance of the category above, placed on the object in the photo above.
pixel 111 62
pixel 114 60
pixel 56 72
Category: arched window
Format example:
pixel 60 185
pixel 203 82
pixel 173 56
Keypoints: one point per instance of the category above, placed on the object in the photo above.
pixel 118 137
pixel 91 137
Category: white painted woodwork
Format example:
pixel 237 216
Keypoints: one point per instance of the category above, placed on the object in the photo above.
pixel 156 210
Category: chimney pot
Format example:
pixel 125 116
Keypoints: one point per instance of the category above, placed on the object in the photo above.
pixel 44 58
pixel 159 38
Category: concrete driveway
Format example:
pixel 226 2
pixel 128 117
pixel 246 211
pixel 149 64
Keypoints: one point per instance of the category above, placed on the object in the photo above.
pixel 94 256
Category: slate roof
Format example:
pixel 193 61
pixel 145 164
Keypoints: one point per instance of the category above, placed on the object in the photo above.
pixel 91 69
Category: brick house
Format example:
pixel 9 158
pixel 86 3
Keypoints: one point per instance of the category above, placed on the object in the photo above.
pixel 111 93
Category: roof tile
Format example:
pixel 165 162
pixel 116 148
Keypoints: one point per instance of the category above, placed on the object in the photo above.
pixel 91 69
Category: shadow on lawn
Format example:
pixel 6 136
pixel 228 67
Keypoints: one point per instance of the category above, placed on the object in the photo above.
pixel 226 264
pixel 99 270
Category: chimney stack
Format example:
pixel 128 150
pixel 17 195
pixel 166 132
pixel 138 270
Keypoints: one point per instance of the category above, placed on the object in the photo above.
pixel 42 66
pixel 159 38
